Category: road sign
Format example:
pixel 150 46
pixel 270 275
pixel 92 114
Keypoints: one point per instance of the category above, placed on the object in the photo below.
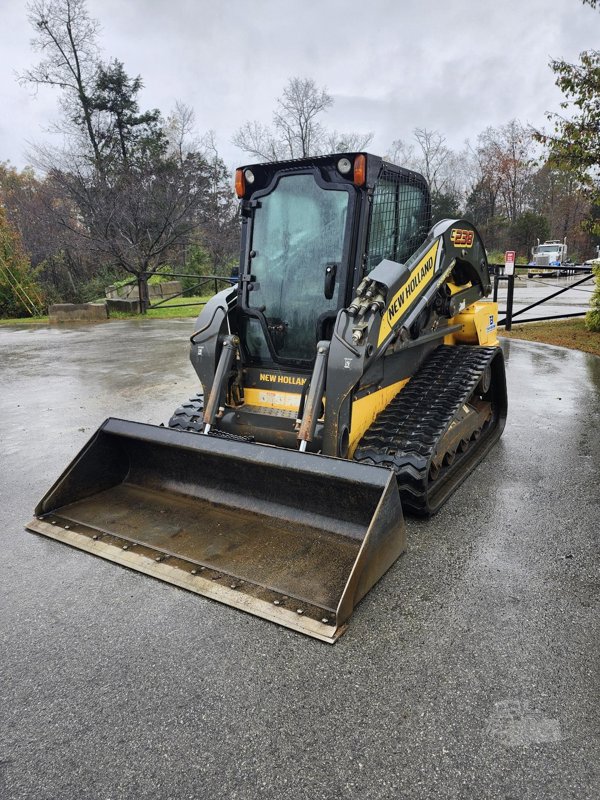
pixel 509 262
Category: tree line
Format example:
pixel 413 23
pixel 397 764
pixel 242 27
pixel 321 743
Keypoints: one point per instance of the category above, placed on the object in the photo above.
pixel 131 192
pixel 508 184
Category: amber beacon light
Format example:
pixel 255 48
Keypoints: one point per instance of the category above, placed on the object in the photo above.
pixel 360 170
pixel 240 183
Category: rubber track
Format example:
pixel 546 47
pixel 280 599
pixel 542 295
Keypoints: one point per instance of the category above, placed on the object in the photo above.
pixel 188 417
pixel 404 437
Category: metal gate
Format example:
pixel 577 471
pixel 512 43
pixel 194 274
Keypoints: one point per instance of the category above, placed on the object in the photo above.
pixel 510 314
pixel 202 281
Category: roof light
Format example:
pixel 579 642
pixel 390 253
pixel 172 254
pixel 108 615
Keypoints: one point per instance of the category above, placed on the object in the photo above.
pixel 240 183
pixel 344 166
pixel 249 176
pixel 360 170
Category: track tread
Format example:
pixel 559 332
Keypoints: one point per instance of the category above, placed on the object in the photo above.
pixel 189 416
pixel 405 435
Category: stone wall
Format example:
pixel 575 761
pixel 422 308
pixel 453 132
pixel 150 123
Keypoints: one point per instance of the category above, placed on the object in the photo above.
pixel 122 304
pixel 77 312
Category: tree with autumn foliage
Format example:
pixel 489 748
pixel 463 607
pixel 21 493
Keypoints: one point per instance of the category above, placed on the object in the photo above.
pixel 20 296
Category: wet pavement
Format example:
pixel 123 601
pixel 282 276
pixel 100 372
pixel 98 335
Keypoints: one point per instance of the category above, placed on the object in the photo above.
pixel 527 291
pixel 470 671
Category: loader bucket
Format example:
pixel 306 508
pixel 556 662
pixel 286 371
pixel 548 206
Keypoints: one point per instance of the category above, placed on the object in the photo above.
pixel 293 537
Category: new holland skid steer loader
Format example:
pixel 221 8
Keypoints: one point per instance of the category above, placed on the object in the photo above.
pixel 353 370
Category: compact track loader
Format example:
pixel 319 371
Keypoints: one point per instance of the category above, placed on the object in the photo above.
pixel 352 371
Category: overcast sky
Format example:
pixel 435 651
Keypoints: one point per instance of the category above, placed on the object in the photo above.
pixel 390 65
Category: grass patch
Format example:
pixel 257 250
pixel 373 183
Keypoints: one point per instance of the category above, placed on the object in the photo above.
pixel 167 310
pixel 24 321
pixel 570 333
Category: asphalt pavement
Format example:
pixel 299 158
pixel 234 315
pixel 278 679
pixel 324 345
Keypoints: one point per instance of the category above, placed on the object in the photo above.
pixel 470 671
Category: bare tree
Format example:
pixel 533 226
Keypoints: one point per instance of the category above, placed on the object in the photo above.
pixel 127 191
pixel 295 117
pixel 402 154
pixel 351 142
pixel 136 218
pixel 260 142
pixel 218 229
pixel 66 37
pixel 431 157
pixel 442 168
pixel 180 131
pixel 434 157
pixel 484 182
pixel 296 131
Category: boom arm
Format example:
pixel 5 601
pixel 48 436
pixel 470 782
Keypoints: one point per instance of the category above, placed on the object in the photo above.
pixel 401 305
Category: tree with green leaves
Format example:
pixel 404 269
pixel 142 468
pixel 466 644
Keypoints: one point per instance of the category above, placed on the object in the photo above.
pixel 526 230
pixel 124 132
pixel 444 205
pixel 575 143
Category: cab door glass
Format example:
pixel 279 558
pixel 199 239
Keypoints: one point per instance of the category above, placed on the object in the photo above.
pixel 299 229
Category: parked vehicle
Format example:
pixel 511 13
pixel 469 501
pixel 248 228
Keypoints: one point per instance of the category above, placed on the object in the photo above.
pixel 593 262
pixel 548 259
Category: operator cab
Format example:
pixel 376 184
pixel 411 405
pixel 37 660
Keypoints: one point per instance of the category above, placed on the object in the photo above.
pixel 312 229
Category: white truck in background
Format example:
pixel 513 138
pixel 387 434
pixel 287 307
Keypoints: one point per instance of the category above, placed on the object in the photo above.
pixel 548 259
